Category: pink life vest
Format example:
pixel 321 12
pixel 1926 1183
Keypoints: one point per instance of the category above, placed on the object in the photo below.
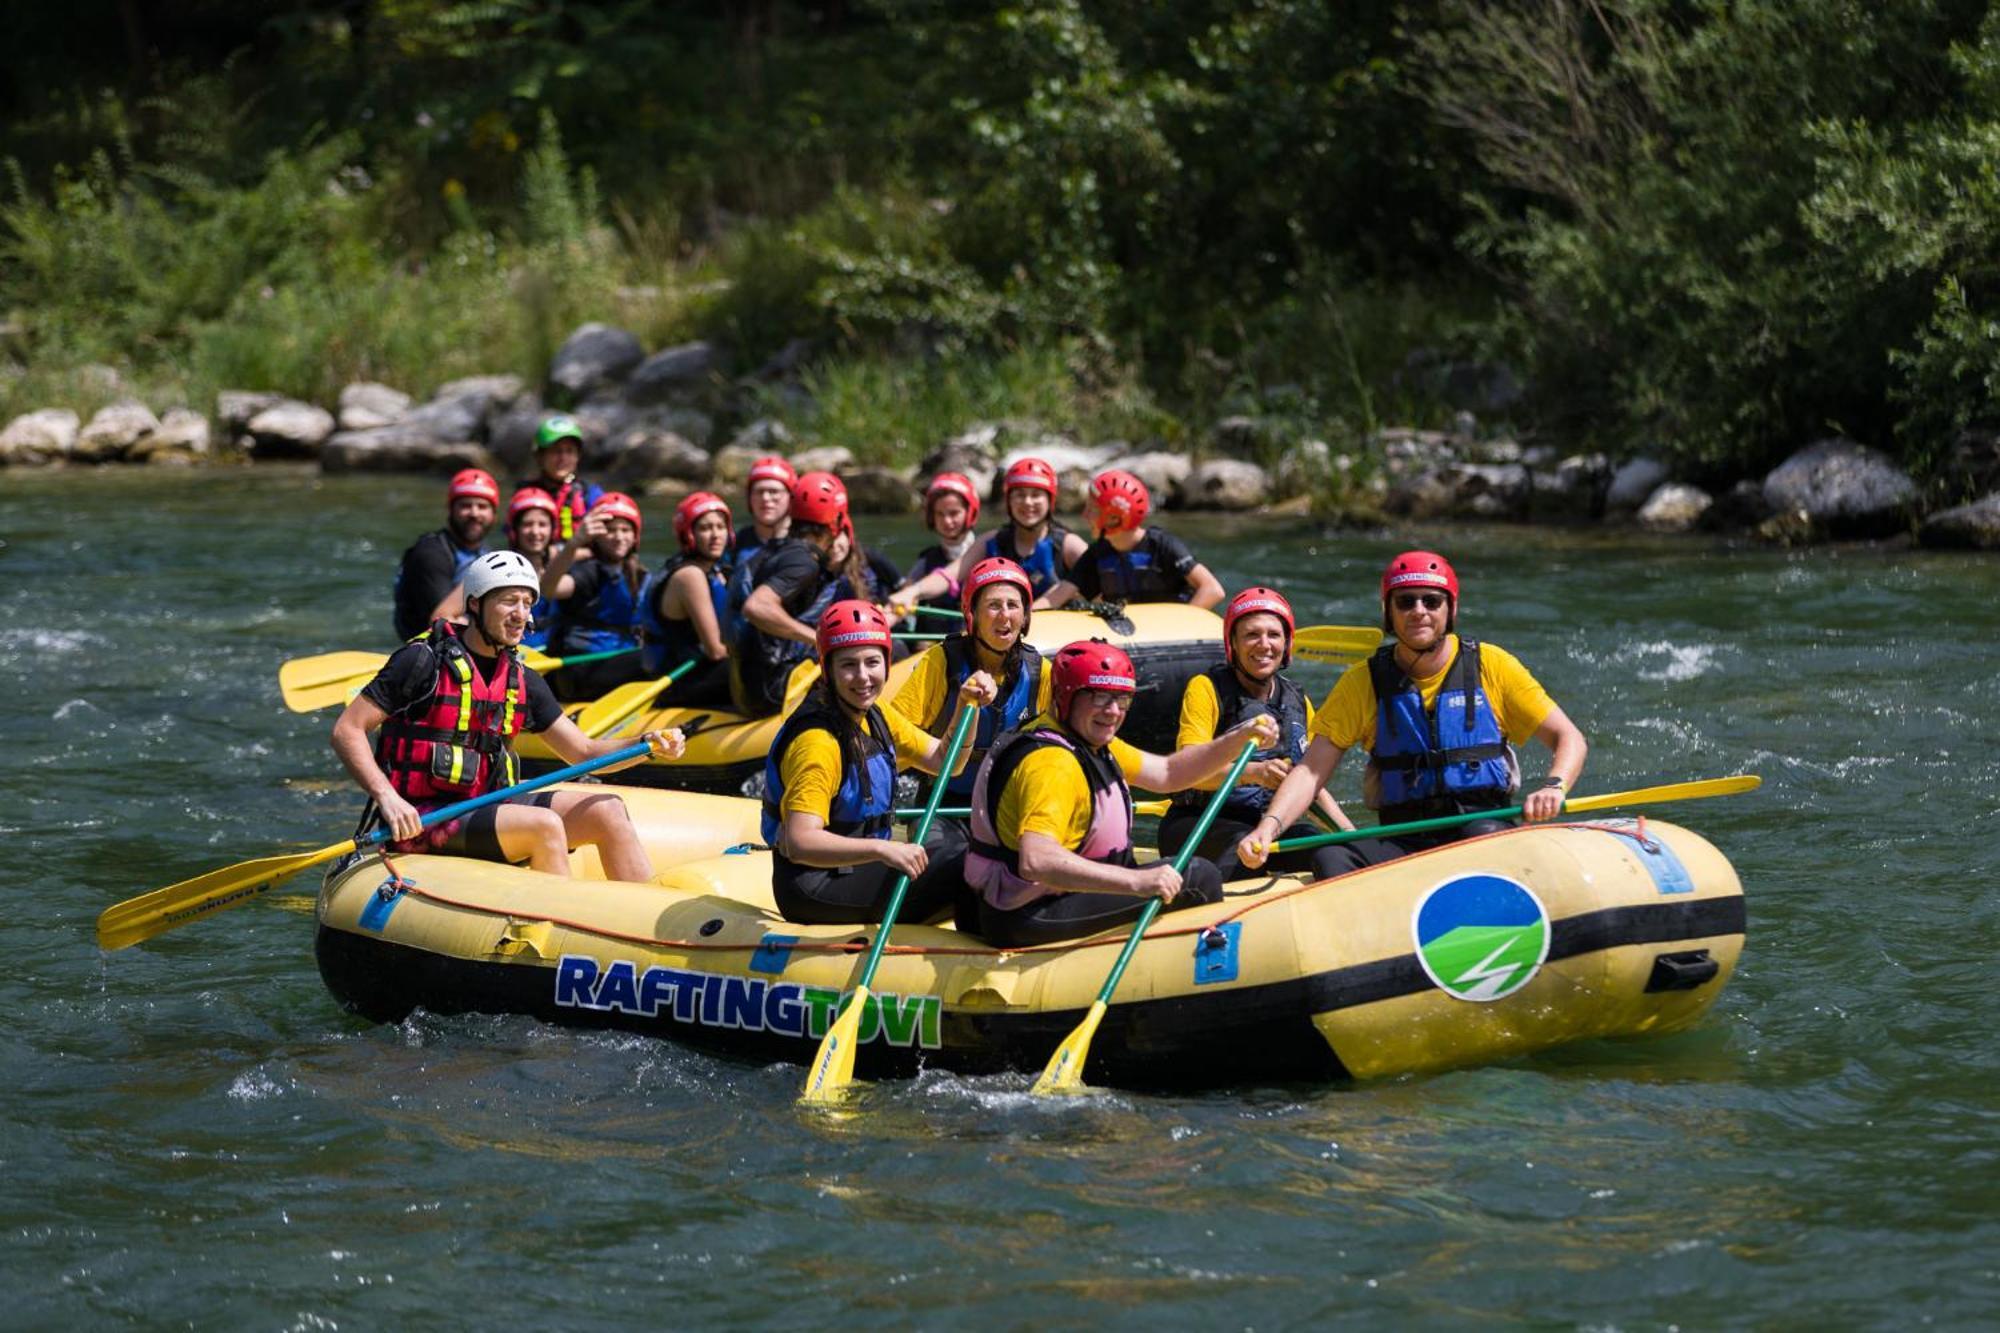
pixel 994 868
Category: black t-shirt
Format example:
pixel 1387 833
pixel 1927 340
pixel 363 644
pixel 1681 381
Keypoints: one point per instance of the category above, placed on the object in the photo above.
pixel 405 680
pixel 429 570
pixel 1155 570
pixel 791 569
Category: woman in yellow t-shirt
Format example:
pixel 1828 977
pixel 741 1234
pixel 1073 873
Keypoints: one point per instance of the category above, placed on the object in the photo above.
pixel 1257 631
pixel 830 786
pixel 1051 850
pixel 1440 718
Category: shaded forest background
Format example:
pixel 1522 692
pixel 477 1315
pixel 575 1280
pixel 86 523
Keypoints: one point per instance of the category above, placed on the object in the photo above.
pixel 1712 230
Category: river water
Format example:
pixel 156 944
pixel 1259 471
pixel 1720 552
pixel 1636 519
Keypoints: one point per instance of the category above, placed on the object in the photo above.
pixel 194 1134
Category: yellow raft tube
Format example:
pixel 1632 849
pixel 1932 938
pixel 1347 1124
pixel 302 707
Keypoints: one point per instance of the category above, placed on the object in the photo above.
pixel 1482 950
pixel 1168 642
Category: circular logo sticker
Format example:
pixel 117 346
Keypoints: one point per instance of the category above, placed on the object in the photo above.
pixel 1480 937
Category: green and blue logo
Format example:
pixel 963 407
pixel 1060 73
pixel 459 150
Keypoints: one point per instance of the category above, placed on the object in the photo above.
pixel 1481 937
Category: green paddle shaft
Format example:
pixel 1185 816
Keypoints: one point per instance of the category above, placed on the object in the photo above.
pixel 557 663
pixel 958 735
pixel 941 612
pixel 1186 854
pixel 1394 830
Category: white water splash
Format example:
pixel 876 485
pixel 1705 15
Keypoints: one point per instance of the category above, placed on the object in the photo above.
pixel 255 1085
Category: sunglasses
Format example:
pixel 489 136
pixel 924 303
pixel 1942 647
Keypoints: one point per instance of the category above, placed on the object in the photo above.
pixel 1410 601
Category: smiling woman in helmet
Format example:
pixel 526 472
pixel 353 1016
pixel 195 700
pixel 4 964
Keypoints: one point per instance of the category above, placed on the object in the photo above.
pixel 830 787
pixel 1440 717
pixel 1257 632
pixel 682 605
pixel 447 706
pixel 595 583
pixel 1051 851
pixel 1030 537
pixel 1129 561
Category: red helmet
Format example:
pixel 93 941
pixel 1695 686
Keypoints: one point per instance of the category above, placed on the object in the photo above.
pixel 1419 569
pixel 528 497
pixel 1093 664
pixel 1032 472
pixel 853 624
pixel 473 483
pixel 690 510
pixel 995 569
pixel 952 483
pixel 819 497
pixel 1256 601
pixel 617 504
pixel 1121 501
pixel 771 468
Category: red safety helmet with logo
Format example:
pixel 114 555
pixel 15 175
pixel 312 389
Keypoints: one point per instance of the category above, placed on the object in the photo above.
pixel 689 511
pixel 528 497
pixel 1093 664
pixel 473 483
pixel 820 497
pixel 1030 472
pixel 1420 569
pixel 1121 501
pixel 996 569
pixel 1252 602
pixel 852 624
pixel 771 468
pixel 617 504
pixel 952 483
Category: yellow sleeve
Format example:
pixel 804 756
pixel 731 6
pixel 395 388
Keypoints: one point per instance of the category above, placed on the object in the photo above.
pixel 1347 718
pixel 1199 712
pixel 1128 759
pixel 918 700
pixel 1518 699
pixel 811 770
pixel 912 742
pixel 1048 795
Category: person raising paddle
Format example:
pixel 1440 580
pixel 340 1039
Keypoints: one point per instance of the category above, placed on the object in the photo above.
pixel 447 706
pixel 1440 717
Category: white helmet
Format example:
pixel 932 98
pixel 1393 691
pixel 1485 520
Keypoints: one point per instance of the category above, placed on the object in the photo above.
pixel 501 569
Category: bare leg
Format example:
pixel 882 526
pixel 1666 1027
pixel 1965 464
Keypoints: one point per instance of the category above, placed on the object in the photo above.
pixel 601 820
pixel 532 833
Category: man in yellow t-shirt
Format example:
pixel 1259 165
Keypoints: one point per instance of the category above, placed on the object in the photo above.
pixel 1439 717
pixel 1051 852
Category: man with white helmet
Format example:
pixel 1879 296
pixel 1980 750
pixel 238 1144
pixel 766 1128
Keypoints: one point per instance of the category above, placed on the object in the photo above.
pixel 447 705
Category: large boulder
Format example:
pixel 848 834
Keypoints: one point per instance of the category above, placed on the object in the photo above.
pixel 1305 467
pixel 1843 490
pixel 648 455
pixel 510 435
pixel 1968 527
pixel 1737 509
pixel 235 407
pixel 760 439
pixel 972 454
pixel 183 438
pixel 1634 483
pixel 1462 490
pixel 290 429
pixel 483 397
pixel 1674 507
pixel 365 405
pixel 1164 474
pixel 113 432
pixel 686 372
pixel 1571 490
pixel 1226 483
pixel 835 458
pixel 882 490
pixel 403 447
pixel 594 357
pixel 46 436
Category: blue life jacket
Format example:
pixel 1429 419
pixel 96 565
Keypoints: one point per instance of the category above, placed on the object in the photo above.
pixel 1043 564
pixel 738 584
pixel 1013 708
pixel 1134 576
pixel 666 643
pixel 1450 761
pixel 864 803
pixel 608 619
pixel 1233 707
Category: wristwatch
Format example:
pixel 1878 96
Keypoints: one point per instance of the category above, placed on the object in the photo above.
pixel 1557 783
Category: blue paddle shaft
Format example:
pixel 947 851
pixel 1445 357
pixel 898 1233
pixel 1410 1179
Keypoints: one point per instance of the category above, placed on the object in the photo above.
pixel 520 788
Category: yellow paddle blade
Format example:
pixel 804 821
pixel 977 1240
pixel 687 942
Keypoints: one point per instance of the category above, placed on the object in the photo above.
pixel 162 910
pixel 538 661
pixel 613 710
pixel 1064 1072
pixel 1151 807
pixel 310 683
pixel 1336 643
pixel 1672 791
pixel 832 1071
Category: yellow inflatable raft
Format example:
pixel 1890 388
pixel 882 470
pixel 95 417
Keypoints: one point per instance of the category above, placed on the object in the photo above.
pixel 1168 643
pixel 1479 951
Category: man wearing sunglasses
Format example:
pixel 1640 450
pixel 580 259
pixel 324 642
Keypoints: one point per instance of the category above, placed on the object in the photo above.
pixel 1440 717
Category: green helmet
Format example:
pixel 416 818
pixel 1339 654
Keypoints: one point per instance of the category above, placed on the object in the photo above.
pixel 558 428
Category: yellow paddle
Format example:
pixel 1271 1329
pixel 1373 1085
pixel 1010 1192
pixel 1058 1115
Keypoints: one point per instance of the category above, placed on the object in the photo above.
pixel 155 913
pixel 312 683
pixel 1672 791
pixel 833 1064
pixel 1065 1068
pixel 1336 643
pixel 612 710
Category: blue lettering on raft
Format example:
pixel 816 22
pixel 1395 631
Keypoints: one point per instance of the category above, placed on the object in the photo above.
pixel 746 1004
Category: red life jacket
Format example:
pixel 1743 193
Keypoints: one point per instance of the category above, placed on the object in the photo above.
pixel 453 745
